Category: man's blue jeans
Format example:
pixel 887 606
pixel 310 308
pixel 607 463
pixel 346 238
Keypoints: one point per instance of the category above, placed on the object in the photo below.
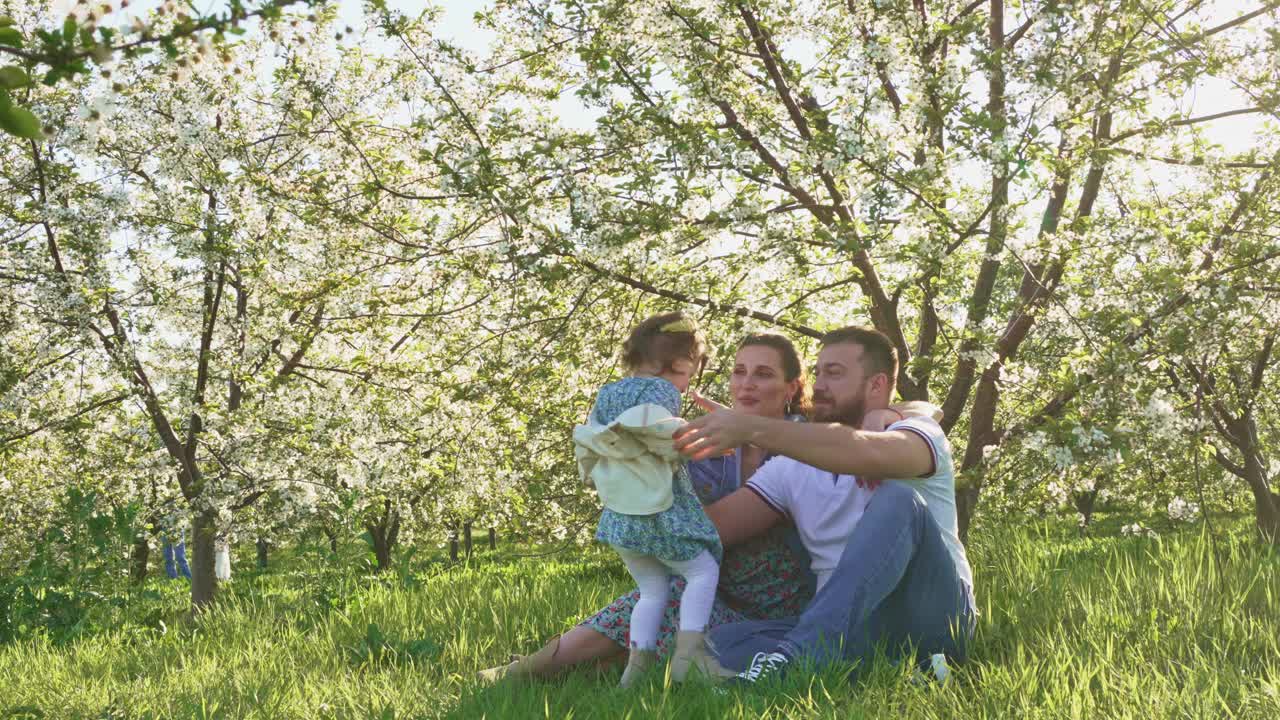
pixel 895 585
pixel 176 553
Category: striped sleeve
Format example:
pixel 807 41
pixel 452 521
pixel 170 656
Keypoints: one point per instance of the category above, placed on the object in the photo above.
pixel 931 432
pixel 770 484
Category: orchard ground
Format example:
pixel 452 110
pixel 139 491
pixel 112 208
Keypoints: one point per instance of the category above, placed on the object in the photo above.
pixel 1185 625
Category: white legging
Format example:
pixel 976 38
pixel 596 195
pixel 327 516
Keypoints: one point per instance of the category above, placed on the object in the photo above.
pixel 652 575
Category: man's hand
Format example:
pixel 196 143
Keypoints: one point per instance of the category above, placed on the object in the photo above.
pixel 716 433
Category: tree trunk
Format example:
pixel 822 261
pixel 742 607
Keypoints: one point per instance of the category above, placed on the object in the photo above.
pixel 381 546
pixel 1266 504
pixel 979 304
pixel 1084 502
pixel 204 584
pixel 493 539
pixel 141 554
pixel 1269 520
pixel 466 537
pixel 263 548
pixel 385 533
pixel 1242 432
pixel 981 433
pixel 333 539
pixel 453 546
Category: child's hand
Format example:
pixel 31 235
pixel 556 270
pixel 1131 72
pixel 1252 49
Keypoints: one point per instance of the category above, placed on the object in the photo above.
pixel 878 420
pixel 705 403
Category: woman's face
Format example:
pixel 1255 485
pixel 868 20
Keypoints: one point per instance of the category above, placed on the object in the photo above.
pixel 758 384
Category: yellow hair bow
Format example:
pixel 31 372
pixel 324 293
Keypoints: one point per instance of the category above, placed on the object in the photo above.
pixel 681 325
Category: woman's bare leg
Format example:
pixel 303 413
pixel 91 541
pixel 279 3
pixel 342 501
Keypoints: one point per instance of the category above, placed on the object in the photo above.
pixel 576 647
pixel 584 645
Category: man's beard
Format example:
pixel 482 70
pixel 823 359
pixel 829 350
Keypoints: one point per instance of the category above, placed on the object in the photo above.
pixel 849 412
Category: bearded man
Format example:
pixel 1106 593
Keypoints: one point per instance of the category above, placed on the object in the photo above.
pixel 892 572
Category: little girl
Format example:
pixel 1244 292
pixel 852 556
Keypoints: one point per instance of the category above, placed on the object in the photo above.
pixel 651 515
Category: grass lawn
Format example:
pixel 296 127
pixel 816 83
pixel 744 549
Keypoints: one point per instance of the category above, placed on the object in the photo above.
pixel 1175 627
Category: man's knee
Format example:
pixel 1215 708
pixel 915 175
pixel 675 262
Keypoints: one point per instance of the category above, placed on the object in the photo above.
pixel 726 644
pixel 734 644
pixel 720 634
pixel 732 634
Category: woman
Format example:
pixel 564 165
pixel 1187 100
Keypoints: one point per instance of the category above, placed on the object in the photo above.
pixel 761 579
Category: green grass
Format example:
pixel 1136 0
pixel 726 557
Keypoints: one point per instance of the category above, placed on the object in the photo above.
pixel 1179 627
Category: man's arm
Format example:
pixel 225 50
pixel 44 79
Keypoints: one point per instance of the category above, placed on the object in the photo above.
pixel 741 515
pixel 828 446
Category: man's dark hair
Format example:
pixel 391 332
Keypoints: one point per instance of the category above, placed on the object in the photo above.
pixel 878 353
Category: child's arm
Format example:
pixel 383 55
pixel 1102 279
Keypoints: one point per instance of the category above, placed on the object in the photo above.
pixel 914 408
pixel 705 403
pixel 878 420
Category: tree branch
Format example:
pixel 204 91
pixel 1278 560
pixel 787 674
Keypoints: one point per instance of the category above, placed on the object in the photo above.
pixel 1193 161
pixel 58 423
pixel 1231 23
pixel 291 363
pixel 767 51
pixel 1260 363
pixel 1183 122
pixel 181 31
pixel 682 297
pixel 212 303
pixel 117 349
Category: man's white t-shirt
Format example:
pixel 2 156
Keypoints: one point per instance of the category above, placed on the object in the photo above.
pixel 826 507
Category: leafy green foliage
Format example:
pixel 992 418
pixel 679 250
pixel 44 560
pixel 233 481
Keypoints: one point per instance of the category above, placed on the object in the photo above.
pixel 80 557
pixel 70 50
pixel 14 119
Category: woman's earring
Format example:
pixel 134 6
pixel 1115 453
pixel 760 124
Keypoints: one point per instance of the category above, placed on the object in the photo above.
pixel 787 410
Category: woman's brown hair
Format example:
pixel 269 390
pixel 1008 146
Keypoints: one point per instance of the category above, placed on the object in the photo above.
pixel 800 403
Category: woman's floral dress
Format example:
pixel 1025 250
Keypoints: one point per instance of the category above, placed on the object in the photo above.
pixel 762 579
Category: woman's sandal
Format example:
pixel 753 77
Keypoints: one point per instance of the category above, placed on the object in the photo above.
pixel 525 667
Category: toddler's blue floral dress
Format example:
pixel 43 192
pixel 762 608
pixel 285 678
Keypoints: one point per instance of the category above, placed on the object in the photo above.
pixel 683 530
